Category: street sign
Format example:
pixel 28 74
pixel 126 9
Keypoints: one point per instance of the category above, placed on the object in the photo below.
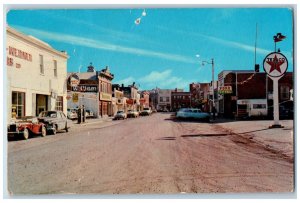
pixel 75 97
pixel 275 65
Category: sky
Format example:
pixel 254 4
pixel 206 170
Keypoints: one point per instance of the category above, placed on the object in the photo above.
pixel 167 47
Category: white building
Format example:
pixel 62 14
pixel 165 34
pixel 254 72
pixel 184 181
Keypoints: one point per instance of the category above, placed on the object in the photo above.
pixel 36 76
pixel 164 98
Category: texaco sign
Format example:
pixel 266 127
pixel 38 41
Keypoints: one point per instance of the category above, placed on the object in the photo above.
pixel 275 64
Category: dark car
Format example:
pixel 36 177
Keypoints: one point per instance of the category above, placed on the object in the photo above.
pixel 286 110
pixel 26 126
pixel 54 121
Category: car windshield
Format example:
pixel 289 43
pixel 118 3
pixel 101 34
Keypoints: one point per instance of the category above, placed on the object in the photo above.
pixel 120 112
pixel 51 114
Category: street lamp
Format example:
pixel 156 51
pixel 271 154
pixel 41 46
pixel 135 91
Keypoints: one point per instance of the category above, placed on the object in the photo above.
pixel 213 85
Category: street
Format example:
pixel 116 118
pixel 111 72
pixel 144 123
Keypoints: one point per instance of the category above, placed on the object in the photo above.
pixel 147 155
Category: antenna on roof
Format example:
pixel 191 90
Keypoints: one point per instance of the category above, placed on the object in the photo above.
pixel 256 66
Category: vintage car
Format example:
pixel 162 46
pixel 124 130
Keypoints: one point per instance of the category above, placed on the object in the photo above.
pixel 192 113
pixel 54 121
pixel 146 112
pixel 72 114
pixel 120 115
pixel 26 126
pixel 132 114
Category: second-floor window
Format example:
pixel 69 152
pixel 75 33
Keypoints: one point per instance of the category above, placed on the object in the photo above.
pixel 161 99
pixel 168 99
pixel 41 64
pixel 55 68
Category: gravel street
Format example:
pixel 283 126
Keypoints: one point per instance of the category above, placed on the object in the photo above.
pixel 151 155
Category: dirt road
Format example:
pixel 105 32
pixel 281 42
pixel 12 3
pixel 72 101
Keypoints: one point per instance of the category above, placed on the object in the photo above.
pixel 148 155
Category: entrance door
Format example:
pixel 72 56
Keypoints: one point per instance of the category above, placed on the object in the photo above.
pixel 41 103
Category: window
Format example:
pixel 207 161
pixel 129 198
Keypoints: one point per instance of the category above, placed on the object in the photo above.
pixel 55 68
pixel 161 99
pixel 284 93
pixel 168 99
pixel 59 103
pixel 41 64
pixel 18 104
pixel 259 106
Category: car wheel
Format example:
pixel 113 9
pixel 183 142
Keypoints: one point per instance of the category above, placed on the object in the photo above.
pixel 54 130
pixel 26 134
pixel 66 128
pixel 44 131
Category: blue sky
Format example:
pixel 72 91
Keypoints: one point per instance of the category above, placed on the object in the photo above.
pixel 161 50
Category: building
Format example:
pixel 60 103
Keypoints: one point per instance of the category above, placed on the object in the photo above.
pixel 201 93
pixel 181 100
pixel 131 93
pixel 86 92
pixel 144 100
pixel 105 92
pixel 36 76
pixel 238 89
pixel 153 98
pixel 119 101
pixel 164 99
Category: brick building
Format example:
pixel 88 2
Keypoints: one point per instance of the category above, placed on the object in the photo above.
pixel 181 100
pixel 249 85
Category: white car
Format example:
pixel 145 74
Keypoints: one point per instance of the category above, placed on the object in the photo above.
pixel 72 114
pixel 120 115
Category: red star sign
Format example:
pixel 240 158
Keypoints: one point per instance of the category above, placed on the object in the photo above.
pixel 275 64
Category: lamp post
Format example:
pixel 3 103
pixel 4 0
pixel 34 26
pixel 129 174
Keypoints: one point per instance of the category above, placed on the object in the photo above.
pixel 213 85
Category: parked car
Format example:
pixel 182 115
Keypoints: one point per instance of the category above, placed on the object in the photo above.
pixel 146 112
pixel 192 113
pixel 72 114
pixel 286 110
pixel 26 126
pixel 54 121
pixel 89 113
pixel 120 115
pixel 132 114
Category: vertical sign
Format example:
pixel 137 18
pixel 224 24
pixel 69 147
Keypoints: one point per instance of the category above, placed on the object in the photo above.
pixel 275 65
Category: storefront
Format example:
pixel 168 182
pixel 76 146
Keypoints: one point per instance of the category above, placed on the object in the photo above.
pixel 35 76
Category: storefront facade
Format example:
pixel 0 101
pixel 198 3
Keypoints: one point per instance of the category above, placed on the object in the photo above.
pixel 36 76
pixel 105 93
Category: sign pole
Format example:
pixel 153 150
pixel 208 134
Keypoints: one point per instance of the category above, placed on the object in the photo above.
pixel 276 104
pixel 275 65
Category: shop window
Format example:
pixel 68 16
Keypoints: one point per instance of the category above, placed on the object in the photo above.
pixel 41 64
pixel 59 103
pixel 55 68
pixel 18 104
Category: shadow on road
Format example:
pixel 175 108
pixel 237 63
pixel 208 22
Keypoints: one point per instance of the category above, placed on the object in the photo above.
pixel 222 134
pixel 206 135
pixel 167 138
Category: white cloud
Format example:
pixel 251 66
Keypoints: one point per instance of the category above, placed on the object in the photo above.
pixel 125 81
pixel 98 44
pixel 156 76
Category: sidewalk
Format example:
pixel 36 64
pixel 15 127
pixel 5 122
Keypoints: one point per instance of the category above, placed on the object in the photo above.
pixel 278 139
pixel 91 121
